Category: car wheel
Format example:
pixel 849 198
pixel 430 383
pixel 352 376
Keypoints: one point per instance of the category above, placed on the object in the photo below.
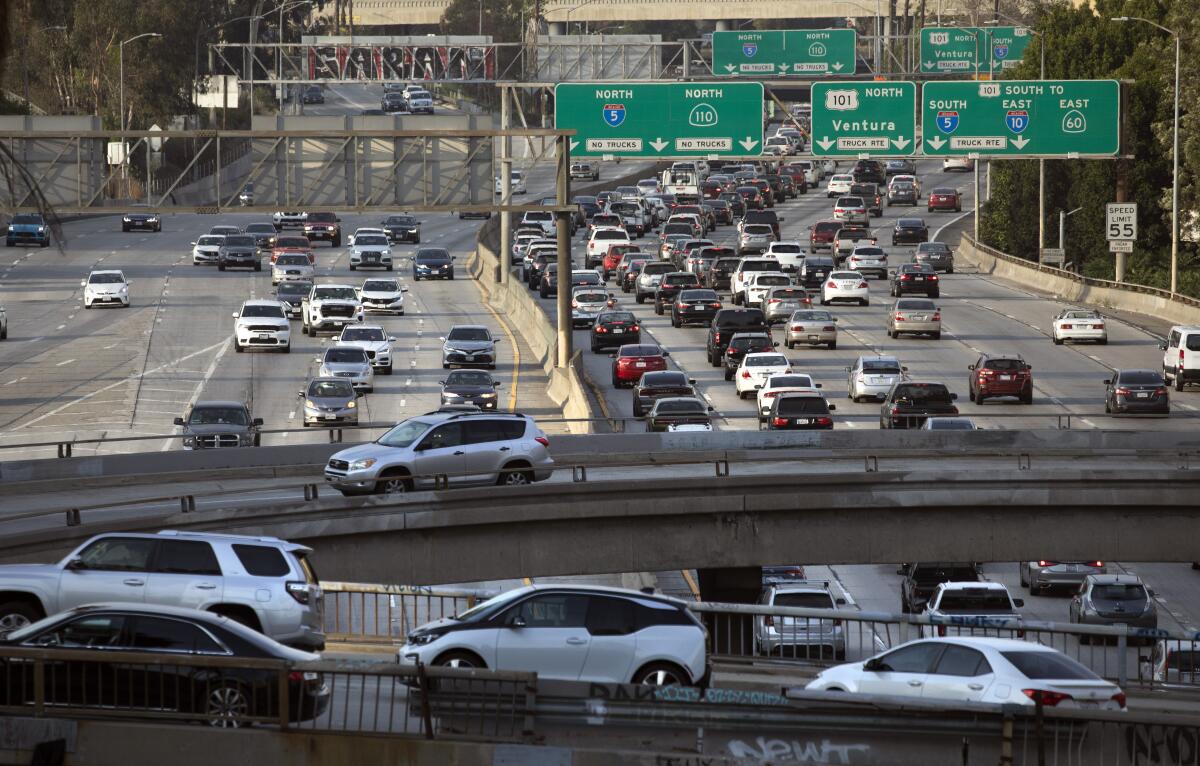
pixel 387 370
pixel 353 267
pixel 728 374
pixel 1027 396
pixel 675 322
pixel 1103 341
pixel 788 344
pixel 226 705
pixel 832 345
pixel 937 336
pixel 17 614
pixel 393 483
pixel 238 347
pixel 1179 380
pixel 1107 407
pixel 464 660
pixel 515 477
pixel 661 674
pixel 220 266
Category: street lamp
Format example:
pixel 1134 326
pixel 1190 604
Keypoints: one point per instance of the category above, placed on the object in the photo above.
pixel 124 143
pixel 1041 160
pixel 279 48
pixel 1174 153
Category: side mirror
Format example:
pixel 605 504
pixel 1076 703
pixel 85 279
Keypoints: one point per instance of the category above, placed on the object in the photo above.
pixel 1029 368
pixel 953 396
pixel 817 385
pixel 359 394
pixel 832 407
pixel 691 381
pixel 235 315
pixel 442 339
pixel 193 244
pixel 76 564
pixel 666 353
pixel 178 421
pixel 403 288
pixel 612 356
pixel 1144 658
pixel 299 394
pixel 903 369
pixel 257 421
pixel 970 367
pixel 496 384
pixel 840 601
pixel 775 344
pixel 881 397
pixel 1018 602
pixel 1162 346
pixel 516 621
pixel 84 284
pixel 873 665
pixel 710 408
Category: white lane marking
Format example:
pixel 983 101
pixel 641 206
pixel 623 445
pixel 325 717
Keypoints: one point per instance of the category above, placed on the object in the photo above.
pixel 68 361
pixel 292 415
pixel 9 383
pixel 111 345
pixel 61 326
pixel 403 402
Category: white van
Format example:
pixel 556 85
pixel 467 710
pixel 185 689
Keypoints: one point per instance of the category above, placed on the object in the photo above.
pixel 518 182
pixel 1181 355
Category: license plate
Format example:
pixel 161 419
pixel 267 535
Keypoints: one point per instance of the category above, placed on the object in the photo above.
pixel 330 417
pixel 264 336
pixel 805 421
pixel 812 337
pixel 919 279
pixel 640 364
pixel 1142 395
pixel 618 331
pixel 1006 377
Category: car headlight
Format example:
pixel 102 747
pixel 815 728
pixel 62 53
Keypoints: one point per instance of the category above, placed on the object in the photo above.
pixel 421 639
pixel 360 465
pixel 491 395
pixel 451 394
pixel 350 405
pixel 189 441
pixel 126 219
pixel 309 404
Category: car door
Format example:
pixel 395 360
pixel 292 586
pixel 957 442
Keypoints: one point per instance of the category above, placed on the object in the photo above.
pixel 185 573
pixel 1171 354
pixel 440 452
pixel 544 634
pixel 903 672
pixel 110 569
pixel 612 628
pixel 486 449
pixel 176 687
pixel 961 673
pixel 74 682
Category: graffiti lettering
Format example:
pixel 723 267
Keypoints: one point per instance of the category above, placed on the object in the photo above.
pixel 717 696
pixel 622 692
pixel 823 752
pixel 685 760
pixel 1149 745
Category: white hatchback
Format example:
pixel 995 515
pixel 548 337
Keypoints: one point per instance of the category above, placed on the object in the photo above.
pixel 756 368
pixel 846 286
pixel 107 286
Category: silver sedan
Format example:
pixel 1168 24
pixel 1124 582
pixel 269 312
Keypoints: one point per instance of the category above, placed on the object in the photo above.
pixel 812 328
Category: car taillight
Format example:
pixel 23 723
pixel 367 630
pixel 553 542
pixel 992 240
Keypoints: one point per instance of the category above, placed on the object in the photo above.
pixel 774 300
pixel 298 591
pixel 601 328
pixel 1046 697
pixel 1097 563
pixel 937 317
pixel 745 373
pixel 779 421
pixel 986 371
pixel 933 278
pixel 768 621
pixel 863 286
pixel 1068 327
pixel 832 284
pixel 1181 354
pixel 905 277
pixel 311 677
pixel 1043 563
pixel 1119 698
pixel 941 630
pixel 542 440
pixel 717 337
pixel 1161 390
pixel 770 394
pixel 1122 392
pixel 714 305
pixel 899 317
pixel 574 305
pixel 824 421
pixel 828 328
pixel 680 305
pixel 634 328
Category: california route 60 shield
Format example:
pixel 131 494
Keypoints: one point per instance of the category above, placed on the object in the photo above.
pixel 614 114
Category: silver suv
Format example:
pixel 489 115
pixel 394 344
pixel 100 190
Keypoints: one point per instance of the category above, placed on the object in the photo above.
pixel 468 345
pixel 262 582
pixel 440 448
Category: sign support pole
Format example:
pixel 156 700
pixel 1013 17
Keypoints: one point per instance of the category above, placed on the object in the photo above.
pixel 562 220
pixel 505 254
pixel 975 165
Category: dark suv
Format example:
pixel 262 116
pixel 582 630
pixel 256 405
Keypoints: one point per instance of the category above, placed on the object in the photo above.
pixel 1000 375
pixel 659 385
pixel 869 171
pixel 910 403
pixel 718 275
pixel 921 579
pixel 669 288
pixel 768 217
pixel 870 195
pixel 743 343
pixel 725 324
pixel 325 226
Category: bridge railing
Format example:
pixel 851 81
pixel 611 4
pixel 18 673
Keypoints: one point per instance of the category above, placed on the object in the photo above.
pixel 383 614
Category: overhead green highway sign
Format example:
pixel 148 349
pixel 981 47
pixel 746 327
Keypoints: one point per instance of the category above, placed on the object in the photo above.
pixel 1022 117
pixel 957 49
pixel 853 118
pixel 661 119
pixel 783 52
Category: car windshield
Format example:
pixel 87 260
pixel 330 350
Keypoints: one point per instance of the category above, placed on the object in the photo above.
pixel 758 228
pixel 290 259
pixel 297 243
pixel 773 360
pixel 260 228
pixel 874 252
pixel 363 333
pixel 664 379
pixel 975 600
pixel 741 344
pixel 218 416
pixel 404 434
pixel 1145 378
pixel 468 378
pixel 942 190
pixel 933 247
pixel 680 406
pixel 380 286
pixel 433 256
pixel 1045 665
pixel 950 424
pixel 26 219
pixel 322 218
pixel 768 280
pixel 400 220
pixel 259 310
pixel 611 235
pixel 341 389
pixel 698 295
pixel 912 305
pixel 336 293
pixel 845 275
pixel 370 239
pixel 210 240
pixel 1004 364
pixel 469 333
pixel 790 381
pixel 293 289
pixel 726 263
pixel 911 223
pixel 345 356
pixel 881 367
pixel 1120 592
pixel 639 350
pixel 105 279
pixel 801 405
pixel 810 600
pixel 902 186
pixel 929 393
pixel 239 240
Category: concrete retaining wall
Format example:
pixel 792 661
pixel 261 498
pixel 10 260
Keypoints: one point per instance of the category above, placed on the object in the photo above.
pixel 1073 288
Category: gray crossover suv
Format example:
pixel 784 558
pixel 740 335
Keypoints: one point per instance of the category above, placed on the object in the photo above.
pixel 443 448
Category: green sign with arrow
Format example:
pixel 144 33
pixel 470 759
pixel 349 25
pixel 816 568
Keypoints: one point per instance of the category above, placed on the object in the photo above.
pixel 863 118
pixel 783 52
pixel 1022 118
pixel 691 119
pixel 957 49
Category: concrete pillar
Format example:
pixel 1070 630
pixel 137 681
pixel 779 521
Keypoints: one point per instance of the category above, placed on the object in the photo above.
pixel 728 633
pixel 558 28
pixel 724 26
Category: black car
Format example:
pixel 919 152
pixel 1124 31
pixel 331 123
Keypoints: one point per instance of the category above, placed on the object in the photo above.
pixel 871 197
pixel 869 171
pixel 141 219
pixel 910 231
pixel 313 94
pixel 722 211
pixel 615 328
pixel 1130 391
pixel 239 251
pixel 264 234
pixel 775 182
pixel 725 324
pixel 470 387
pixel 769 217
pixel 915 279
pixel 696 305
pixel 292 294
pixel 743 343
pixel 629 276
pixel 737 207
pixel 718 275
pixel 677 411
pixel 205 686
pixel 548 284
pixel 670 287
pixel 910 403
pixel 799 411
pixel 393 103
pixel 657 385
pixel 537 265
pixel 433 263
pixel 789 187
pixel 814 270
pixel 402 228
pixel 922 578
pixel 900 167
pixel 588 207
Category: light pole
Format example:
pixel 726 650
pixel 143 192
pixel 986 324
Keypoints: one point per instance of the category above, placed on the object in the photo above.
pixel 1174 155
pixel 1041 161
pixel 124 143
pixel 279 48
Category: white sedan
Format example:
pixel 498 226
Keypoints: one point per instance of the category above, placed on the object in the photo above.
pixel 755 369
pixel 783 384
pixel 846 286
pixel 371 339
pixel 1079 324
pixel 977 669
pixel 839 184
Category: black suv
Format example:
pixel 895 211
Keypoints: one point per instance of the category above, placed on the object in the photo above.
pixel 921 579
pixel 669 288
pixel 910 403
pixel 743 343
pixel 869 171
pixel 536 267
pixel 915 278
pixel 725 324
pixel 718 275
pixel 615 328
pixel 660 385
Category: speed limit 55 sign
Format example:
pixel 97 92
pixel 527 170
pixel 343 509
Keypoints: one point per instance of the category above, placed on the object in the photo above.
pixel 1121 221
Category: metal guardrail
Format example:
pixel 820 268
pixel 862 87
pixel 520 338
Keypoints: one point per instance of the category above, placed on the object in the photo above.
pixel 380 614
pixel 720 460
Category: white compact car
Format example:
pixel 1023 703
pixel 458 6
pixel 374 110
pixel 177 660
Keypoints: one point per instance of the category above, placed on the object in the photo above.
pixel 374 340
pixel 872 377
pixel 756 368
pixel 382 296
pixel 207 248
pixel 107 287
pixel 839 184
pixel 901 178
pixel 846 286
pixel 760 283
pixel 965 164
pixel 370 231
pixel 1079 324
pixel 784 383
pixel 976 669
pixel 570 632
pixel 262 324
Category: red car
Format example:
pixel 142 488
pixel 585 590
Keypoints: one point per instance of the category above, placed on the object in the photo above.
pixel 293 243
pixel 795 171
pixel 751 197
pixel 945 199
pixel 821 234
pixel 613 257
pixel 711 189
pixel 1001 375
pixel 633 361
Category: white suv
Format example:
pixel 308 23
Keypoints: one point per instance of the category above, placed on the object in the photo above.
pixel 262 582
pixel 1181 355
pixel 262 324
pixel 574 633
pixel 372 339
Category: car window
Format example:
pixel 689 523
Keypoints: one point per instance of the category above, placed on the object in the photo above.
pixel 335 294
pixel 1193 342
pixel 222 416
pixel 105 279
pixel 552 610
pixel 288 259
pixel 118 554
pixel 234 240
pixel 790 381
pixel 1141 378
pixel 260 310
pixel 331 389
pixel 801 405
pixel 1004 364
pixel 962 661
pixel 880 367
pixel 262 560
pixel 810 600
pixel 975 600
pixel 915 305
pixel 404 434
pixel 371 239
pixel 923 393
pixel 186 557
pixel 766 361
pixel 484 431
pixel 153 634
pixel 445 435
pixel 345 356
pixel 914 658
pixel 1119 592
pixel 363 333
pixel 680 406
pixel 91 632
pixel 610 616
pixel 1037 665
pixel 469 333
